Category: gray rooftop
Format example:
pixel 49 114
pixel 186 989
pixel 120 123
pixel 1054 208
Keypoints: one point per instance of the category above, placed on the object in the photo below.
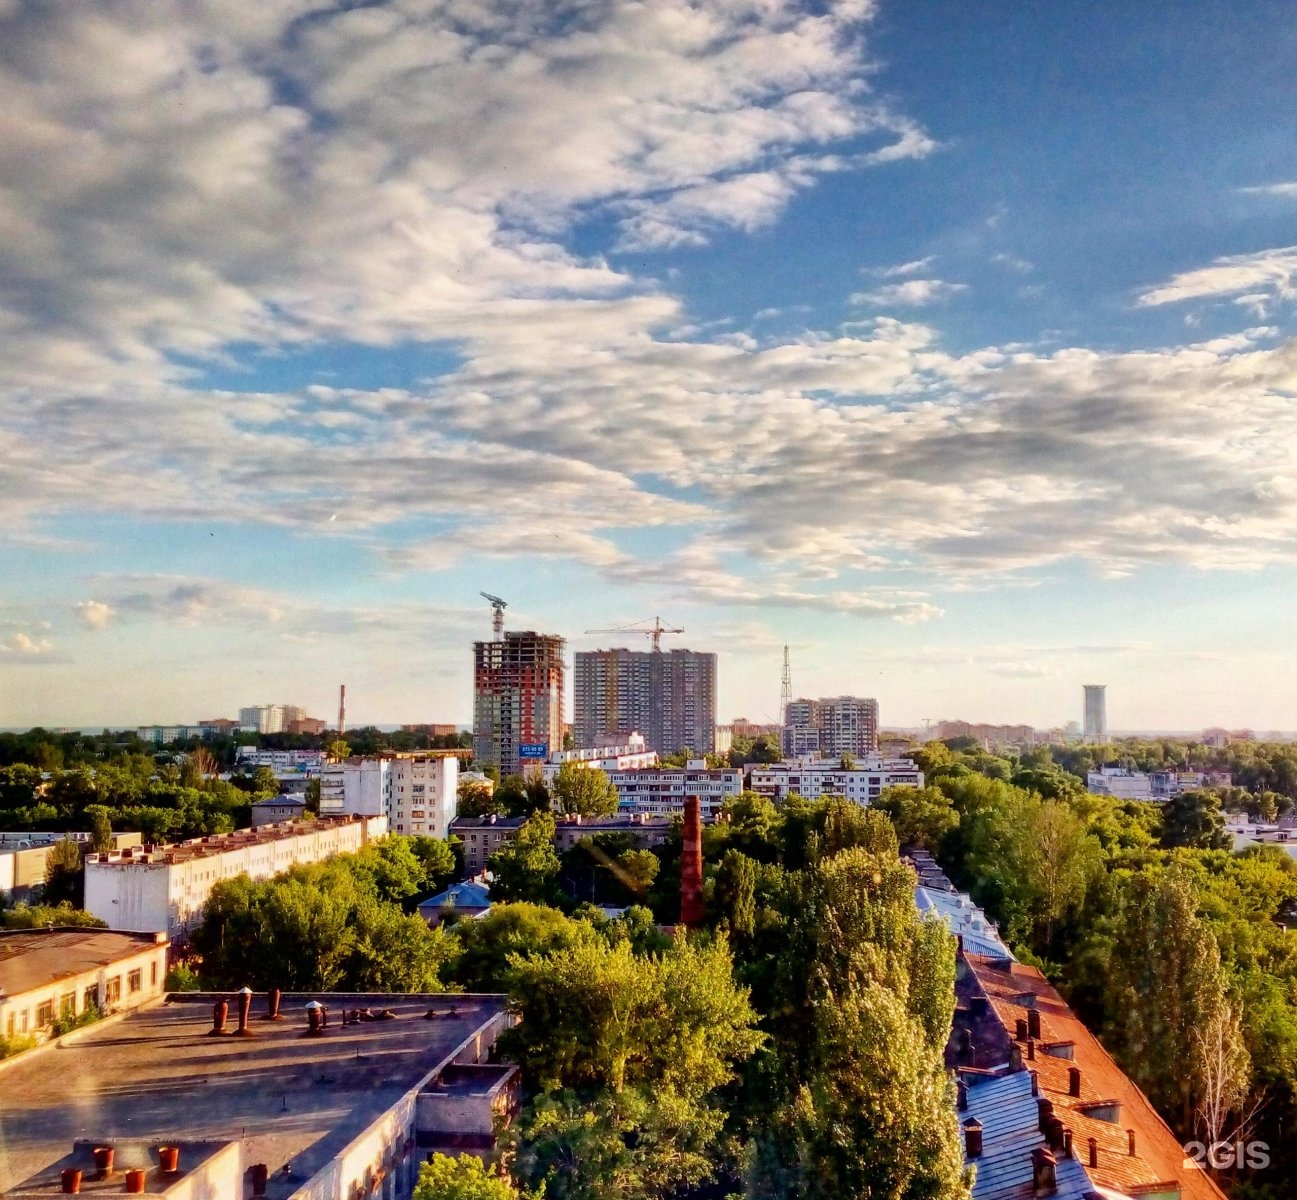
pixel 159 1074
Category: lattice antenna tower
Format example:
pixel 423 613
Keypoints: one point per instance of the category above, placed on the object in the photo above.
pixel 786 690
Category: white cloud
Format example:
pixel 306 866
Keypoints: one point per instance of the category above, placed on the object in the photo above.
pixel 912 293
pixel 1266 273
pixel 1287 191
pixel 23 648
pixel 95 614
pixel 901 270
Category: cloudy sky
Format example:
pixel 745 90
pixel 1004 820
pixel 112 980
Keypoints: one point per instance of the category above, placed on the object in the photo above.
pixel 950 343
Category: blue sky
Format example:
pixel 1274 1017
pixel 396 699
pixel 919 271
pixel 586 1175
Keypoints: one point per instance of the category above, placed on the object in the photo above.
pixel 949 343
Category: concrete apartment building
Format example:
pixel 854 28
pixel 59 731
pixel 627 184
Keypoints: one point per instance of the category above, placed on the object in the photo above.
pixel 46 974
pixel 264 1106
pixel 305 762
pixel 162 889
pixel 273 718
pixel 481 837
pixel 668 696
pixel 25 856
pixel 813 778
pixel 632 756
pixel 517 700
pixel 831 727
pixel 661 791
pixel 417 790
pixel 644 831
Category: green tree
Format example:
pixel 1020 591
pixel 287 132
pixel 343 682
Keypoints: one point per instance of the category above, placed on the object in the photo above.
pixel 477 799
pixel 64 874
pixel 1194 819
pixel 584 790
pixel 462 1177
pixel 101 828
pixel 508 930
pixel 922 816
pixel 527 866
pixel 40 916
pixel 338 749
pixel 396 952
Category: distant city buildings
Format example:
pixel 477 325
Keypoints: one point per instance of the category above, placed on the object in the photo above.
pixel 628 757
pixel 813 778
pixel 517 700
pixel 993 736
pixel 1096 714
pixel 432 730
pixel 416 790
pixel 668 696
pixel 830 727
pixel 271 718
pixel 163 889
pixel 307 763
pixel 1218 738
pixel 1124 784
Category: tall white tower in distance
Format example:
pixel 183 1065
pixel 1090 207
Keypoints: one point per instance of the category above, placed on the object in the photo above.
pixel 1096 713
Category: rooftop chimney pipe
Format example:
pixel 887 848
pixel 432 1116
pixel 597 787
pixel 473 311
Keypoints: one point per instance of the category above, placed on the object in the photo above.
pixel 1043 1178
pixel 1130 1142
pixel 260 1178
pixel 220 1013
pixel 1031 1049
pixel 1073 1081
pixel 273 1000
pixel 1093 1144
pixel 1033 1023
pixel 973 1138
pixel 1022 1029
pixel 245 1010
pixel 961 1094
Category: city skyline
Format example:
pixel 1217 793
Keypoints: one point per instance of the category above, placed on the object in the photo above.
pixel 952 347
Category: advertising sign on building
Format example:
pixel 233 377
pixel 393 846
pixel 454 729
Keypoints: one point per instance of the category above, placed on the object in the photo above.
pixel 536 750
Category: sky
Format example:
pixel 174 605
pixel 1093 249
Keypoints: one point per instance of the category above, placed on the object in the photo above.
pixel 950 343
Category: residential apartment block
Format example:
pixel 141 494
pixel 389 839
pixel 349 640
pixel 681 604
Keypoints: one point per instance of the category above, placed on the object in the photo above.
pixel 661 791
pixel 831 727
pixel 517 700
pixel 416 790
pixel 667 696
pixel 481 837
pixel 163 889
pixel 812 778
pixel 632 756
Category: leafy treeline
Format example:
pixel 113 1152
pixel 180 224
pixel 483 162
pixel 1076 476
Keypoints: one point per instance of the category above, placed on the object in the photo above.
pixel 1165 940
pixel 339 925
pixel 53 751
pixel 165 801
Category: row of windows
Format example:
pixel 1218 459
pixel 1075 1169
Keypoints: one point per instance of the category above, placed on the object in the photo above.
pixel 20 1022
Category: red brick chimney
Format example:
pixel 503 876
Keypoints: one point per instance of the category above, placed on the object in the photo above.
pixel 691 865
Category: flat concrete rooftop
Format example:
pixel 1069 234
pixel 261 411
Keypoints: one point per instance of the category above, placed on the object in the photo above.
pixel 160 1076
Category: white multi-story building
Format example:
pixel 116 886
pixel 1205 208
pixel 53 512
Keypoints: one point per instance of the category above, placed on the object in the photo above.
pixel 812 778
pixel 659 791
pixel 306 762
pixel 416 790
pixel 834 725
pixel 163 889
pixel 629 757
pixel 270 718
pixel 1096 713
pixel 1125 784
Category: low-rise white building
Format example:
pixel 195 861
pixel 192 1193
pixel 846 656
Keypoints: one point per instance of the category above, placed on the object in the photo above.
pixel 418 791
pixel 304 762
pixel 48 974
pixel 661 791
pixel 163 888
pixel 632 756
pixel 813 778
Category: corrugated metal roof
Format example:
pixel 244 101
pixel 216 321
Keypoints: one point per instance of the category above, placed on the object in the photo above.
pixel 964 919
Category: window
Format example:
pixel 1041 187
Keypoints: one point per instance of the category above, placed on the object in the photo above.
pixel 22 1024
pixel 113 990
pixel 153 973
pixel 90 997
pixel 9 1026
pixel 400 829
pixel 44 1014
pixel 68 1004
pixel 135 980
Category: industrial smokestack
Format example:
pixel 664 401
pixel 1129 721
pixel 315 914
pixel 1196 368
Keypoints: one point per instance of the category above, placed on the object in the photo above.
pixel 691 865
pixel 342 708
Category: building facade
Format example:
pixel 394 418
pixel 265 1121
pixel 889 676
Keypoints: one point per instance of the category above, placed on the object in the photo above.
pixel 832 726
pixel 1096 713
pixel 661 791
pixel 162 889
pixel 416 790
pixel 668 696
pixel 632 756
pixel 48 974
pixel 517 700
pixel 481 837
pixel 813 778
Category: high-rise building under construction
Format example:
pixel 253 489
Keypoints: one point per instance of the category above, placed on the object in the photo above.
pixel 668 696
pixel 517 700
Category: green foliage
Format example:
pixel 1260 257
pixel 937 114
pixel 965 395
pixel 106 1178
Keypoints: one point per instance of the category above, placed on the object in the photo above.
pixel 67 1022
pixel 507 931
pixel 41 916
pixel 16 1044
pixel 477 799
pixel 64 874
pixel 462 1177
pixel 584 790
pixel 527 866
pixel 182 978
pixel 329 926
pixel 1194 819
pixel 923 817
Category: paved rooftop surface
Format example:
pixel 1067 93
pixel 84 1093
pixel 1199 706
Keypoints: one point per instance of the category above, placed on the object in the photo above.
pixel 219 843
pixel 32 958
pixel 159 1075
